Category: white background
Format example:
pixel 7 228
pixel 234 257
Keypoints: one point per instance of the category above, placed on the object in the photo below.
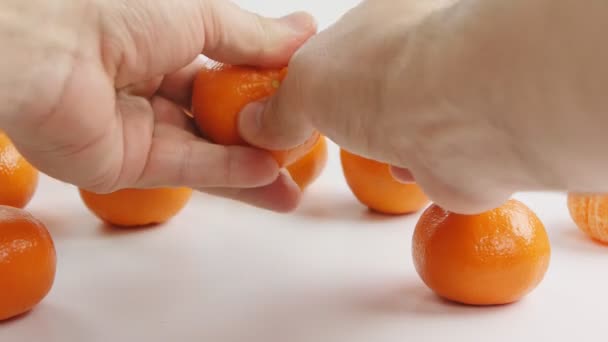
pixel 331 271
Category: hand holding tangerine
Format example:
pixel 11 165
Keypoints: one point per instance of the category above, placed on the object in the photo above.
pixel 124 108
pixel 221 91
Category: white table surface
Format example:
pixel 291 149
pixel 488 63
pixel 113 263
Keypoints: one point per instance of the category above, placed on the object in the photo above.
pixel 331 271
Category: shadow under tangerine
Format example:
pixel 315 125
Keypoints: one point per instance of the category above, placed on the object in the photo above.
pixel 19 317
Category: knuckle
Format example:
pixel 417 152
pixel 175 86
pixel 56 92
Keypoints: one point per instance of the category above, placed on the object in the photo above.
pixel 214 32
pixel 104 183
pixel 300 83
pixel 285 115
pixel 185 175
pixel 302 71
pixel 458 191
pixel 227 171
pixel 228 27
pixel 261 36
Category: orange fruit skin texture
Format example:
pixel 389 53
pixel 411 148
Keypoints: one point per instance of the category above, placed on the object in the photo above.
pixel 493 258
pixel 27 262
pixel 308 168
pixel 221 91
pixel 590 213
pixel 373 185
pixel 18 178
pixel 137 207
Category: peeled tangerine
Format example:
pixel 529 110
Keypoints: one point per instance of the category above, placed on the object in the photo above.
pixel 590 213
pixel 221 91
pixel 308 168
pixel 496 257
pixel 373 185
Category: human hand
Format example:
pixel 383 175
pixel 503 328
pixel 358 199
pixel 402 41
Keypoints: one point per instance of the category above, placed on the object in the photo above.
pixel 93 92
pixel 474 100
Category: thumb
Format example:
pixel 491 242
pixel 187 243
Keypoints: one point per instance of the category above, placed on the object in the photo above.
pixel 174 33
pixel 284 120
pixel 247 38
pixel 468 199
pixel 236 36
pixel 277 123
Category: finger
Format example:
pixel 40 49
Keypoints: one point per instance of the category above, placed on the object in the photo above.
pixel 179 158
pixel 219 29
pixel 236 36
pixel 464 198
pixel 284 120
pixel 283 195
pixel 275 124
pixel 177 86
pixel 145 88
pixel 169 113
pixel 195 163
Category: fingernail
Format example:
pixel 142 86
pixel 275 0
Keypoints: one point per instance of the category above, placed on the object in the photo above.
pixel 299 22
pixel 250 119
pixel 402 175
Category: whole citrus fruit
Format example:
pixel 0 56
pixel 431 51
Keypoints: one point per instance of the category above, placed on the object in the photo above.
pixel 308 168
pixel 496 257
pixel 373 185
pixel 137 207
pixel 27 262
pixel 221 91
pixel 590 214
pixel 18 178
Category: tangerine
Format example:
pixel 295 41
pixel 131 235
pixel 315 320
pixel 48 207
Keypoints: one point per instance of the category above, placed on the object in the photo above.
pixel 373 185
pixel 27 262
pixel 221 91
pixel 137 207
pixel 590 214
pixel 18 178
pixel 496 257
pixel 308 168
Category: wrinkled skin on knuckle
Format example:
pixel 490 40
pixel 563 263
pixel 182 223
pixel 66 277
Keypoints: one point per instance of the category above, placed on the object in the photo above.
pixel 444 131
pixel 553 89
pixel 301 75
pixel 186 167
pixel 463 154
pixel 229 168
pixel 464 162
pixel 342 75
pixel 42 57
pixel 103 182
pixel 454 178
pixel 463 199
pixel 526 87
pixel 263 34
pixel 455 151
pixel 300 92
pixel 215 32
pixel 367 55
